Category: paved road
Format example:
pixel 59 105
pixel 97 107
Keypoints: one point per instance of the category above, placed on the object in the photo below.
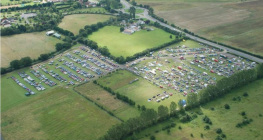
pixel 28 15
pixel 146 15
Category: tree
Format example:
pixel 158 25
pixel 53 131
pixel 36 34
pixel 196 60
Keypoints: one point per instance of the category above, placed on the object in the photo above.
pixel 163 112
pixel 43 57
pixel 3 70
pixel 59 46
pixel 26 61
pixel 173 107
pixel 132 11
pixel 15 64
pixel 152 138
pixel 171 36
pixel 192 100
pixel 121 29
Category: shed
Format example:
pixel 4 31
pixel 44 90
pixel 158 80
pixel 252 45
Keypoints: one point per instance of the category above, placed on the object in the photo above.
pixel 50 33
pixel 57 35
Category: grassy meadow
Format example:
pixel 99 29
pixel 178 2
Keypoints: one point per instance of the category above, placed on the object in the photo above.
pixel 57 114
pixel 120 44
pixel 139 91
pixel 76 22
pixel 121 109
pixel 28 44
pixel 95 9
pixel 232 22
pixel 220 117
pixel 138 11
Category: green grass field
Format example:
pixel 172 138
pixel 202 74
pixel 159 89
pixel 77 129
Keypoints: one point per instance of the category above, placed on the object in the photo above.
pixel 220 117
pixel 139 91
pixel 121 109
pixel 22 45
pixel 58 114
pixel 95 9
pixel 233 22
pixel 120 44
pixel 138 11
pixel 76 22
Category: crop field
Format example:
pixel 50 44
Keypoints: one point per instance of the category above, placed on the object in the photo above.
pixel 120 44
pixel 232 22
pixel 76 22
pixel 57 114
pixel 226 119
pixel 22 45
pixel 121 109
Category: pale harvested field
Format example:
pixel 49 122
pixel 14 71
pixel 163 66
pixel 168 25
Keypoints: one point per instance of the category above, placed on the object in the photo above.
pixel 76 22
pixel 232 22
pixel 22 45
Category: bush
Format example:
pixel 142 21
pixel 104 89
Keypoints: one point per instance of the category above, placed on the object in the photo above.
pixel 227 106
pixel 180 127
pixel 219 131
pixel 173 124
pixel 207 127
pixel 207 120
pixel 223 136
pixel 168 131
pixel 202 135
pixel 152 138
pixel 243 113
pixel 245 94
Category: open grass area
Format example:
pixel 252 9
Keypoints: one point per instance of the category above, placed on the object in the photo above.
pixel 232 22
pixel 120 44
pixel 94 9
pixel 58 114
pixel 139 91
pixel 220 117
pixel 119 108
pixel 76 22
pixel 22 45
pixel 138 11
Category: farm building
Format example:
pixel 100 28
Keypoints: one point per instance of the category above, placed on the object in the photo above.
pixel 57 35
pixel 128 31
pixel 6 22
pixel 50 33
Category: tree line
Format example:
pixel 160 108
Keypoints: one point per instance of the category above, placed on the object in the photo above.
pixel 224 86
pixel 147 118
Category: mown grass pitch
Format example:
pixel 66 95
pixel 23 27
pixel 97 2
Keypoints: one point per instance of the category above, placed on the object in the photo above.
pixel 220 117
pixel 120 44
pixel 57 114
pixel 76 22
pixel 28 44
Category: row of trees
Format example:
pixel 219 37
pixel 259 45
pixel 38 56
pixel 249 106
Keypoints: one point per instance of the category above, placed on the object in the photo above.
pixel 119 96
pixel 26 7
pixel 224 86
pixel 23 62
pixel 147 118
